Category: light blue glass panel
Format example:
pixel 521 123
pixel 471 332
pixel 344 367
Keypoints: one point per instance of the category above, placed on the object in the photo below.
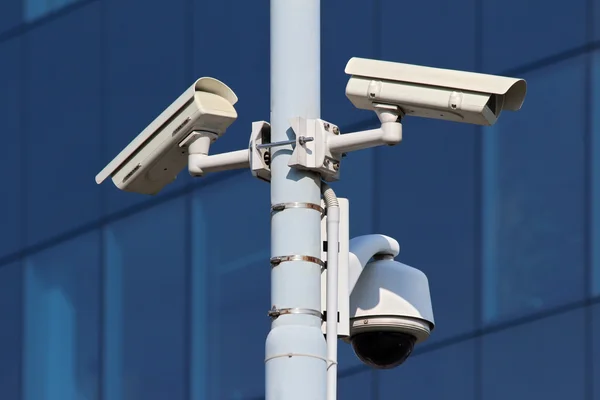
pixel 544 359
pixel 446 373
pixel 147 53
pixel 10 161
pixel 516 33
pixel 62 120
pixel 11 14
pixel 426 197
pixel 436 33
pixel 145 303
pixel 346 31
pixel 358 386
pixel 595 173
pixel 62 321
pixel 35 9
pixel 595 372
pixel 231 43
pixel 231 288
pixel 11 337
pixel 534 221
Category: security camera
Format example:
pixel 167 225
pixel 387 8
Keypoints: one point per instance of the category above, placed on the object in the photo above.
pixel 427 92
pixel 158 154
pixel 390 304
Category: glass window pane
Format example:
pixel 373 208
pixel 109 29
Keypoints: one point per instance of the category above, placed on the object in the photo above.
pixel 595 173
pixel 11 322
pixel 516 33
pixel 595 352
pixel 10 14
pixel 62 123
pixel 340 41
pixel 145 303
pixel 10 161
pixel 427 199
pixel 446 373
pixel 62 321
pixel 595 19
pixel 145 73
pixel 359 386
pixel 531 361
pixel 533 204
pixel 239 56
pixel 231 288
pixel 436 33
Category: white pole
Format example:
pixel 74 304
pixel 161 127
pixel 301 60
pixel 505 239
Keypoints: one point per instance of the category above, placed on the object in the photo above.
pixel 295 348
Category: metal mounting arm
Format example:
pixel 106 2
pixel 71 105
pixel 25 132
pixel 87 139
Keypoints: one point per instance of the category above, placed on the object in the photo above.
pixel 200 163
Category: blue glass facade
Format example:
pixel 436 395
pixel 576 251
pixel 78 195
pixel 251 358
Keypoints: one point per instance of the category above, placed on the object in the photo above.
pixel 106 295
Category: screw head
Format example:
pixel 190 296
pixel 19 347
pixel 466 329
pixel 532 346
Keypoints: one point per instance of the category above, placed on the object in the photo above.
pixel 326 126
pixel 336 130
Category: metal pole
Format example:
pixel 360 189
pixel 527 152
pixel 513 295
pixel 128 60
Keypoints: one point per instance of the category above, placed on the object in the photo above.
pixel 295 347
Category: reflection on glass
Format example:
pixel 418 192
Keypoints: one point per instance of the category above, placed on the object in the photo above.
pixel 533 186
pixel 62 315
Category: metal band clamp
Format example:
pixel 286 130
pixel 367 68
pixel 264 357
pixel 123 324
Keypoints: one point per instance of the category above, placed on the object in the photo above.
pixel 276 312
pixel 275 261
pixel 290 355
pixel 282 206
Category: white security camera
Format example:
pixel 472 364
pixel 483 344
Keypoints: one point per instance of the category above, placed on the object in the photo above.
pixel 390 305
pixel 158 154
pixel 427 92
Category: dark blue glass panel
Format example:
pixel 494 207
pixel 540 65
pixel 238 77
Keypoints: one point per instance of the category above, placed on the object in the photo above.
pixel 231 288
pixel 596 20
pixel 516 33
pixel 146 63
pixel 62 321
pixel 426 196
pixel 358 386
pixel 10 161
pixel 446 373
pixel 436 33
pixel 595 352
pixel 145 347
pixel 346 32
pixel 231 43
pixel 62 121
pixel 11 321
pixel 10 14
pixel 534 221
pixel 544 359
pixel 595 173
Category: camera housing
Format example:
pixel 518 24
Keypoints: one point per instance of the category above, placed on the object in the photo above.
pixel 160 152
pixel 390 312
pixel 428 92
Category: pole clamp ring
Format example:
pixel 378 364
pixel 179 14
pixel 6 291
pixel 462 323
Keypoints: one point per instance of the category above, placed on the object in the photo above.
pixel 283 206
pixel 276 312
pixel 275 261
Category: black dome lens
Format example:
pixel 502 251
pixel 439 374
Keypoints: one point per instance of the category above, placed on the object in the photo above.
pixel 383 349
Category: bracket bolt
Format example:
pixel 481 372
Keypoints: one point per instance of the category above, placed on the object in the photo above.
pixel 336 166
pixel 326 126
pixel 336 130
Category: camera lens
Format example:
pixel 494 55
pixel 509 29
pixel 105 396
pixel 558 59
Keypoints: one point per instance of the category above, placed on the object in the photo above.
pixel 383 349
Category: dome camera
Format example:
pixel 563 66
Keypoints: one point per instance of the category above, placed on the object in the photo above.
pixel 390 312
